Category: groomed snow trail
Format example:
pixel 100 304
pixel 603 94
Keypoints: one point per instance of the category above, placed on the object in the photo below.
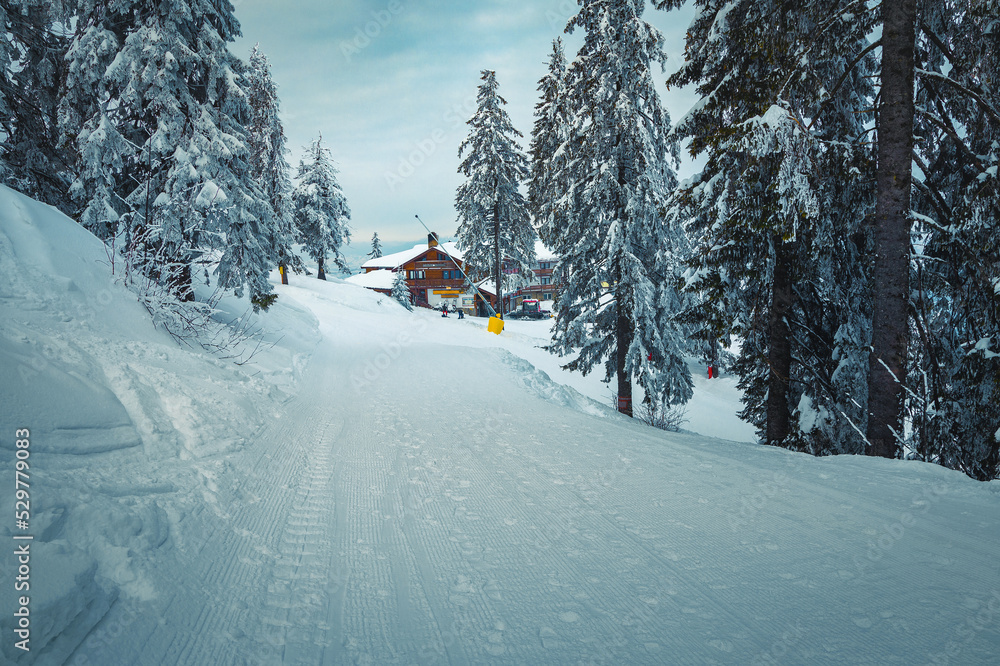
pixel 421 503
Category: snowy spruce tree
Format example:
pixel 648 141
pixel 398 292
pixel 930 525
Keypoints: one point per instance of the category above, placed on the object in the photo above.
pixel 32 75
pixel 549 133
pixel 376 250
pixel 321 212
pixel 780 254
pixel 494 225
pixel 619 256
pixel 401 290
pixel 954 366
pixel 268 147
pixel 155 106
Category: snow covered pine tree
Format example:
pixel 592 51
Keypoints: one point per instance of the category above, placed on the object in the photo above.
pixel 155 106
pixel 266 137
pixel 618 254
pixel 376 250
pixel 494 225
pixel 32 71
pixel 954 374
pixel 321 212
pixel 401 290
pixel 779 210
pixel 550 131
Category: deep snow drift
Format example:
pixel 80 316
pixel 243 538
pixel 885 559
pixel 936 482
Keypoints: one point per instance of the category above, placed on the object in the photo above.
pixel 387 487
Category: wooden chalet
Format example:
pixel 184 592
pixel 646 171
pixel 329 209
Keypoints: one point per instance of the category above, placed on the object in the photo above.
pixel 431 274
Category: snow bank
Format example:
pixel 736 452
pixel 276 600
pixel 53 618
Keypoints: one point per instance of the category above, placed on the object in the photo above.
pixel 109 400
pixel 382 486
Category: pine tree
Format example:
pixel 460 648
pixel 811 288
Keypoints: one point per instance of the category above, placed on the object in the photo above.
pixel 618 254
pixel 494 226
pixel 155 106
pixel 401 291
pixel 954 373
pixel 550 131
pixel 266 137
pixel 376 250
pixel 890 315
pixel 321 211
pixel 32 57
pixel 779 211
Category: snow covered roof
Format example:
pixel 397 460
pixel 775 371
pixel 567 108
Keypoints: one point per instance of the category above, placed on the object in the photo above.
pixel 397 259
pixel 487 286
pixel 380 279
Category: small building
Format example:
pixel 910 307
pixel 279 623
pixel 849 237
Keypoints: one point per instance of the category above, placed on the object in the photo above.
pixel 543 286
pixel 431 274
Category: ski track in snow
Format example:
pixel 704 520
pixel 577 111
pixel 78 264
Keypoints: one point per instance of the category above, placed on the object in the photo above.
pixel 431 496
pixel 391 524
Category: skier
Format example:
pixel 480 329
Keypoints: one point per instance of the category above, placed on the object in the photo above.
pixel 461 313
pixel 444 310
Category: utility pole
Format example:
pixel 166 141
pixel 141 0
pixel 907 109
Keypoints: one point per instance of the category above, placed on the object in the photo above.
pixel 497 270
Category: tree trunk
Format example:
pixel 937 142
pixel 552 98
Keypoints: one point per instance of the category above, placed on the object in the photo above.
pixel 283 269
pixel 890 316
pixel 321 274
pixel 779 348
pixel 497 271
pixel 624 330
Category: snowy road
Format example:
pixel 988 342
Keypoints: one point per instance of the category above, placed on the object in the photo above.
pixel 389 487
pixel 454 506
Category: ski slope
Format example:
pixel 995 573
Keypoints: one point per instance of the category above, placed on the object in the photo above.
pixel 384 487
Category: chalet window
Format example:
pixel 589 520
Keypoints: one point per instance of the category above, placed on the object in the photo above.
pixel 545 265
pixel 546 279
pixel 546 297
pixel 415 275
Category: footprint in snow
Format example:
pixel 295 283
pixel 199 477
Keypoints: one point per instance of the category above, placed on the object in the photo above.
pixel 494 640
pixel 549 637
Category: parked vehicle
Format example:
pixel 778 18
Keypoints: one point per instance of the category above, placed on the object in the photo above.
pixel 530 309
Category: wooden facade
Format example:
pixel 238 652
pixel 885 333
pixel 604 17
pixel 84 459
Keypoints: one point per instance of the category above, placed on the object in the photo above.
pixel 431 274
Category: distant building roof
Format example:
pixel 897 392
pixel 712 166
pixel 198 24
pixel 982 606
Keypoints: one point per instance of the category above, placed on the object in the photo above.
pixel 487 286
pixel 397 259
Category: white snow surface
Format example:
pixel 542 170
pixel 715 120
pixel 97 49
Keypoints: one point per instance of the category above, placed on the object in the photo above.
pixel 382 278
pixel 383 487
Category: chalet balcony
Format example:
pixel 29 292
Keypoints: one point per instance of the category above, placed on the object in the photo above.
pixel 431 283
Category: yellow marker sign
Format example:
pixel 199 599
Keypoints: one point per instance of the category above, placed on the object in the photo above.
pixel 495 325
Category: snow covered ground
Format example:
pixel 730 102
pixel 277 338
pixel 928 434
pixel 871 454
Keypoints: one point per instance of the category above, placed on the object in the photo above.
pixel 385 487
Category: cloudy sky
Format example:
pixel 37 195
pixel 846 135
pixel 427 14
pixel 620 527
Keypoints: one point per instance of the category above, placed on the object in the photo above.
pixel 390 84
